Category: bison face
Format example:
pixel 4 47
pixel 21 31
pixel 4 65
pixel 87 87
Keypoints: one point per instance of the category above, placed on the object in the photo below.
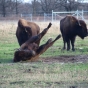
pixel 22 55
pixel 82 29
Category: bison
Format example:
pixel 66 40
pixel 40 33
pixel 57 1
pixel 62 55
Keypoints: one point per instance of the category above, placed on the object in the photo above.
pixel 71 27
pixel 26 30
pixel 30 50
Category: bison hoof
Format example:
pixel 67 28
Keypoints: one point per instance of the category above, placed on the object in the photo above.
pixel 49 25
pixel 59 35
pixel 63 48
pixel 73 49
pixel 68 49
pixel 49 41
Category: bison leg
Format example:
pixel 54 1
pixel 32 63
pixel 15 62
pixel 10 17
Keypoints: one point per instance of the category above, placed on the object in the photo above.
pixel 35 39
pixel 72 43
pixel 38 37
pixel 43 33
pixel 49 43
pixel 64 41
pixel 68 45
pixel 64 47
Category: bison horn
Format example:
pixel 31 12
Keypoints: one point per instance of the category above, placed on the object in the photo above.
pixel 79 23
pixel 19 49
pixel 25 30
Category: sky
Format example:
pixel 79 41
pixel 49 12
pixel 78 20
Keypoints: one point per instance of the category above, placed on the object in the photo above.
pixel 31 0
pixel 27 0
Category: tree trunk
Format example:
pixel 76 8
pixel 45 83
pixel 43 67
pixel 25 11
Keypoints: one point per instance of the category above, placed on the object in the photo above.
pixel 16 8
pixel 3 8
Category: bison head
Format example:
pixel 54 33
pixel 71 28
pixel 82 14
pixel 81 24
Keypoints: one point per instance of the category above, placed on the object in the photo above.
pixel 82 29
pixel 22 55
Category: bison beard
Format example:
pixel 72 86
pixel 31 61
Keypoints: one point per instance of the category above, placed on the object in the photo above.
pixel 70 27
pixel 30 49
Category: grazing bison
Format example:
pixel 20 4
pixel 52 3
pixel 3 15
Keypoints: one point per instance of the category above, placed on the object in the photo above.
pixel 70 27
pixel 25 30
pixel 30 50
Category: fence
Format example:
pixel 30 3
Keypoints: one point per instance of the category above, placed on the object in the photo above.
pixel 27 15
pixel 59 15
pixel 53 16
pixel 47 16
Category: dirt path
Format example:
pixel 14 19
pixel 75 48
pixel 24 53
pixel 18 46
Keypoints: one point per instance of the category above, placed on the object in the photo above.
pixel 66 59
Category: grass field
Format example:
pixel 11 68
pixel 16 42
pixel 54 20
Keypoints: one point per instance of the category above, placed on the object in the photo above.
pixel 40 74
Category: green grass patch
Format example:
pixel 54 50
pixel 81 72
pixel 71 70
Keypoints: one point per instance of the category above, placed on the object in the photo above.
pixel 40 74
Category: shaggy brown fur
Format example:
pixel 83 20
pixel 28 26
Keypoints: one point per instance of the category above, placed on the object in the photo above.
pixel 26 30
pixel 71 27
pixel 30 51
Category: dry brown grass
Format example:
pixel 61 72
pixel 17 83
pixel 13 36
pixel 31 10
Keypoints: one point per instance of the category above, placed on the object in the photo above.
pixel 54 28
pixel 7 27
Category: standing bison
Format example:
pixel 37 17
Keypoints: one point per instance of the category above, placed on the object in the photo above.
pixel 70 27
pixel 30 50
pixel 25 30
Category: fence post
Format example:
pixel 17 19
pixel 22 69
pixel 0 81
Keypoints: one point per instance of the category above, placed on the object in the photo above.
pixel 44 17
pixel 77 14
pixel 52 15
pixel 82 14
pixel 21 15
pixel 31 17
pixel 55 16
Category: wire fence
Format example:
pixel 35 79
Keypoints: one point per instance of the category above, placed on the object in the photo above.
pixel 53 16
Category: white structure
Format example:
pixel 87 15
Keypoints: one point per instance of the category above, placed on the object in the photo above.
pixel 73 13
pixel 47 17
pixel 82 1
pixel 27 15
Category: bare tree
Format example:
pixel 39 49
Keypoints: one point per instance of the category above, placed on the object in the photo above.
pixel 35 6
pixel 69 5
pixel 49 5
pixel 39 6
pixel 17 2
pixel 16 7
pixel 25 8
pixel 7 6
pixel 3 5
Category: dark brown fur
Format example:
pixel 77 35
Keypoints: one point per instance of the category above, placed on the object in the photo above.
pixel 31 55
pixel 30 50
pixel 26 30
pixel 30 46
pixel 70 27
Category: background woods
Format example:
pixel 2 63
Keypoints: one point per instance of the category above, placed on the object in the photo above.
pixel 9 7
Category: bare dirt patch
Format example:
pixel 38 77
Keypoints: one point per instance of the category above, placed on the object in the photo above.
pixel 67 59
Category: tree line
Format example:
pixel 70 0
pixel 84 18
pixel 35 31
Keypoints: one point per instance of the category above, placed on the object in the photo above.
pixel 39 6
